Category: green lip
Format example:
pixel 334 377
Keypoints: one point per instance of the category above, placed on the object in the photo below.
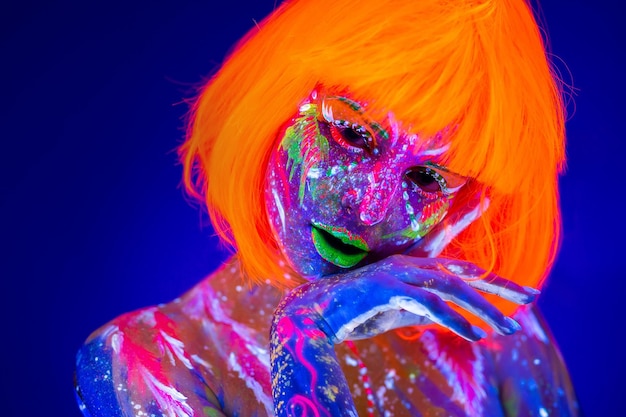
pixel 341 248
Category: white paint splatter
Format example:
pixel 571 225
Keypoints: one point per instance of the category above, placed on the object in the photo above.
pixel 313 173
pixel 438 242
pixel 455 269
pixel 351 361
pixel 117 340
pixel 436 151
pixel 281 210
pixel 171 401
pixel 197 359
pixel 251 383
pixel 390 379
pixel 261 354
pixel 177 347
pixel 468 390
pixel 530 324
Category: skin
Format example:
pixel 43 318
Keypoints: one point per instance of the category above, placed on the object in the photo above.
pixel 371 333
pixel 358 196
pixel 356 190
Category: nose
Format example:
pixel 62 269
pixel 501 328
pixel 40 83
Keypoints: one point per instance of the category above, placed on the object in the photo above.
pixel 351 199
pixel 380 189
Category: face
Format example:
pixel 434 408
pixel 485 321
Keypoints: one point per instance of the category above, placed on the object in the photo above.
pixel 343 190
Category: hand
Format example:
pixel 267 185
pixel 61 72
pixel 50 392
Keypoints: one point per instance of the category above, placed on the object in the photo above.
pixel 397 291
pixel 403 291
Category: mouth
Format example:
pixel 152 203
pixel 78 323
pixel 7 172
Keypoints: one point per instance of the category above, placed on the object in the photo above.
pixel 337 245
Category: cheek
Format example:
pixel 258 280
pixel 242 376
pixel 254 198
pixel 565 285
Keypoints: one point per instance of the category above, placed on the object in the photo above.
pixel 414 217
pixel 280 193
pixel 333 179
pixel 322 193
pixel 274 201
pixel 433 212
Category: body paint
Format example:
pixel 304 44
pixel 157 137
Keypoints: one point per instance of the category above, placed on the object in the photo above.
pixel 336 167
pixel 304 144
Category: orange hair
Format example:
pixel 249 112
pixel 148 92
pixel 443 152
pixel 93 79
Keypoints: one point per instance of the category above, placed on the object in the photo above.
pixel 476 69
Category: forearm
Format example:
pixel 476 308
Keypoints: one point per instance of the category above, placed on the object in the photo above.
pixel 306 376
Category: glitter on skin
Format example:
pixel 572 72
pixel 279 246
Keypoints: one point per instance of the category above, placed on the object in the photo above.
pixel 220 328
pixel 334 166
pixel 207 352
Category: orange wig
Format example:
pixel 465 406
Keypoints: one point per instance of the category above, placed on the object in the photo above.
pixel 476 69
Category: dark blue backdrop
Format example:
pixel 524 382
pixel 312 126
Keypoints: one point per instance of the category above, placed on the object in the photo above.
pixel 93 222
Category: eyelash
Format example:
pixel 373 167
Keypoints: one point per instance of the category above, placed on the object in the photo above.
pixel 413 174
pixel 339 130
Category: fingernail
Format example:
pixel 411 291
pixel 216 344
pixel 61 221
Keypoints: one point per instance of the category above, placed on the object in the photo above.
pixel 532 290
pixel 512 324
pixel 479 332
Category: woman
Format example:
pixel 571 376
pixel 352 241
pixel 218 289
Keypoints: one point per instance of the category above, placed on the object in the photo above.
pixel 377 166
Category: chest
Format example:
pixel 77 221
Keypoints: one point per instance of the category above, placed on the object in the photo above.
pixel 431 373
pixel 400 373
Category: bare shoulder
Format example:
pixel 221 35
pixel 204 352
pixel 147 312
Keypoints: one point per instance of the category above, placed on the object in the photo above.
pixel 181 358
pixel 533 378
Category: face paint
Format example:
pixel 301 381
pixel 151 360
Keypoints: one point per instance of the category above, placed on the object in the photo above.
pixel 343 190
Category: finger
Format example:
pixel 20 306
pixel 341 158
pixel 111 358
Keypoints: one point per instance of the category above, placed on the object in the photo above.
pixel 505 289
pixel 491 284
pixel 355 311
pixel 455 290
pixel 385 321
pixel 423 303
pixel 357 304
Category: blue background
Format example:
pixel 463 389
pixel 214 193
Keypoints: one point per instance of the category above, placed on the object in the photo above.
pixel 93 221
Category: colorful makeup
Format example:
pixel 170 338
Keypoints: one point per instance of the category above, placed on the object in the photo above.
pixel 337 245
pixel 342 188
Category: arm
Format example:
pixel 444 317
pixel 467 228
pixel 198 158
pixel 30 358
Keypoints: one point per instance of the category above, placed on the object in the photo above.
pixel 395 292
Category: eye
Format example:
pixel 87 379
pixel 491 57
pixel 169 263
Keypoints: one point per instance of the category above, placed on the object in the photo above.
pixel 351 136
pixel 428 180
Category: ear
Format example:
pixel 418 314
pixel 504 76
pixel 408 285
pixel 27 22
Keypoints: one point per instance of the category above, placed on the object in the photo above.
pixel 431 245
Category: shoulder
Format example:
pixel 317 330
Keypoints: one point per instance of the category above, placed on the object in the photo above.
pixel 138 365
pixel 201 353
pixel 93 377
pixel 531 372
pixel 119 366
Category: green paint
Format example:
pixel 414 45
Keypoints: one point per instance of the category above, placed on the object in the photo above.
pixel 511 404
pixel 353 104
pixel 332 254
pixel 424 227
pixel 344 236
pixel 407 233
pixel 211 412
pixel 305 145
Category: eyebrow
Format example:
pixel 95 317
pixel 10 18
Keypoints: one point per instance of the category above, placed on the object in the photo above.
pixel 354 105
pixel 357 107
pixel 434 165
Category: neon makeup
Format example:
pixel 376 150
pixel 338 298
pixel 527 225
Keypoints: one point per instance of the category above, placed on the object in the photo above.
pixel 338 246
pixel 343 190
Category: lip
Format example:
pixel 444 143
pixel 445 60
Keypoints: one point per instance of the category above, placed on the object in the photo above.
pixel 338 245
